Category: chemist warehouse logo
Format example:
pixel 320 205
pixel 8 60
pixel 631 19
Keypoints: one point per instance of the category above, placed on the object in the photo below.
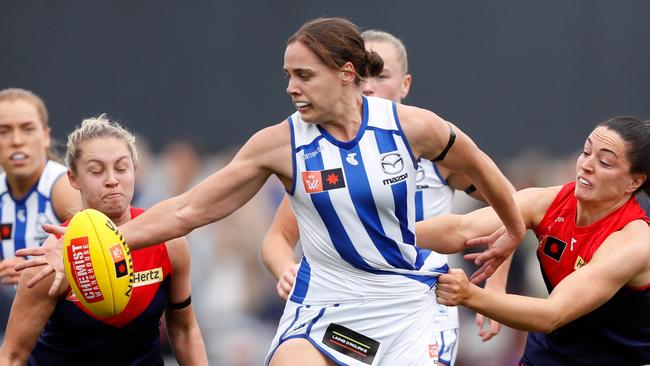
pixel 142 278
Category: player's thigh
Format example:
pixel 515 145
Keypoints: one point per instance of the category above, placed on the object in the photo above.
pixel 299 352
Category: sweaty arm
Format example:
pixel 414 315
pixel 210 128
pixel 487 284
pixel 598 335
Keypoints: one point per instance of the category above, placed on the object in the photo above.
pixel 30 311
pixel 624 257
pixel 184 333
pixel 278 249
pixel 267 152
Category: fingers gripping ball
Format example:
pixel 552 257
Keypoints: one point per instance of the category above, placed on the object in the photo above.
pixel 98 263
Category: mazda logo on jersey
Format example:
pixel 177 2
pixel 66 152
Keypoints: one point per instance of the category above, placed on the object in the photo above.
pixel 419 175
pixel 553 247
pixel 322 180
pixel 392 163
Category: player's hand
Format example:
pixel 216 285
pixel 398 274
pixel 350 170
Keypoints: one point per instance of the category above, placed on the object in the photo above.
pixel 286 281
pixel 49 255
pixel 8 274
pixel 453 288
pixel 500 245
pixel 489 330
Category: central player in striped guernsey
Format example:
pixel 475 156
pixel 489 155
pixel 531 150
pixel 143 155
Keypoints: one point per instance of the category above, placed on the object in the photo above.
pixel 434 193
pixel 364 294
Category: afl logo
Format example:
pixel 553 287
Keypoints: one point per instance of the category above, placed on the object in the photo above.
pixel 392 163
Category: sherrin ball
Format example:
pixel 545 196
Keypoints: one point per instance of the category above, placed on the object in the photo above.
pixel 98 263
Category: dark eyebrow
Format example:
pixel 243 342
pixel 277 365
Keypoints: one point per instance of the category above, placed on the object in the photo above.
pixel 611 152
pixel 300 70
pixel 605 149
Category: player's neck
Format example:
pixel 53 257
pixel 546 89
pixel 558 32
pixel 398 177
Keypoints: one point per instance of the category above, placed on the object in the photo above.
pixel 125 217
pixel 20 186
pixel 346 120
pixel 588 213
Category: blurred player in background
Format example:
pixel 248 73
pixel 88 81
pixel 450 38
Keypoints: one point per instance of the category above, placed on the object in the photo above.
pixel 33 186
pixel 102 157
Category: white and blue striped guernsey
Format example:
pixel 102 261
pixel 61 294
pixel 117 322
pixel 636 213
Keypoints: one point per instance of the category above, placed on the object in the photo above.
pixel 21 219
pixel 433 196
pixel 355 205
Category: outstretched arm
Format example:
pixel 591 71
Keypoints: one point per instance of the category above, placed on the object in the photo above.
pixel 623 258
pixel 183 329
pixel 279 246
pixel 449 234
pixel 267 152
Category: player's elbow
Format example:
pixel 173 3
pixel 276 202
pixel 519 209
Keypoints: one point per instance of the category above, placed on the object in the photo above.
pixel 186 216
pixel 13 357
pixel 549 323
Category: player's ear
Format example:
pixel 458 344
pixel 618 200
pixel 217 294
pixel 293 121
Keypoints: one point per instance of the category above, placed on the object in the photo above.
pixel 348 73
pixel 72 178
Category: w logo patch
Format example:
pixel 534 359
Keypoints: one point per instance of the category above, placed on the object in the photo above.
pixel 323 180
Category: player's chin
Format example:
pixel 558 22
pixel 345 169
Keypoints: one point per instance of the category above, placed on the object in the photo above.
pixel 309 115
pixel 114 210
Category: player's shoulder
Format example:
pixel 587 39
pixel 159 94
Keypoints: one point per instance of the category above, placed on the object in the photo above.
pixel 276 134
pixel 178 251
pixel 419 117
pixel 534 202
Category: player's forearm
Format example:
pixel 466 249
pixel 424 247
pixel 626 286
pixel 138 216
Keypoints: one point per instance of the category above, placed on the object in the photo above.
pixel 519 312
pixel 497 191
pixel 188 345
pixel 12 357
pixel 499 279
pixel 441 234
pixel 162 222
pixel 277 255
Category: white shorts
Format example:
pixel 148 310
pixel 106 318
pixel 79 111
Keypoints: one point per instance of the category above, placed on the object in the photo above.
pixel 375 332
pixel 447 346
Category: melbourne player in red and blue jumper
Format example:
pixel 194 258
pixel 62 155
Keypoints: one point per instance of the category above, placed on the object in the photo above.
pixel 612 334
pixel 55 329
pixel 73 335
pixel 594 253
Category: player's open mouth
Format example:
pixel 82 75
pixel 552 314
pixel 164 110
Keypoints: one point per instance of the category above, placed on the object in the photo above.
pixel 18 157
pixel 584 181
pixel 302 105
